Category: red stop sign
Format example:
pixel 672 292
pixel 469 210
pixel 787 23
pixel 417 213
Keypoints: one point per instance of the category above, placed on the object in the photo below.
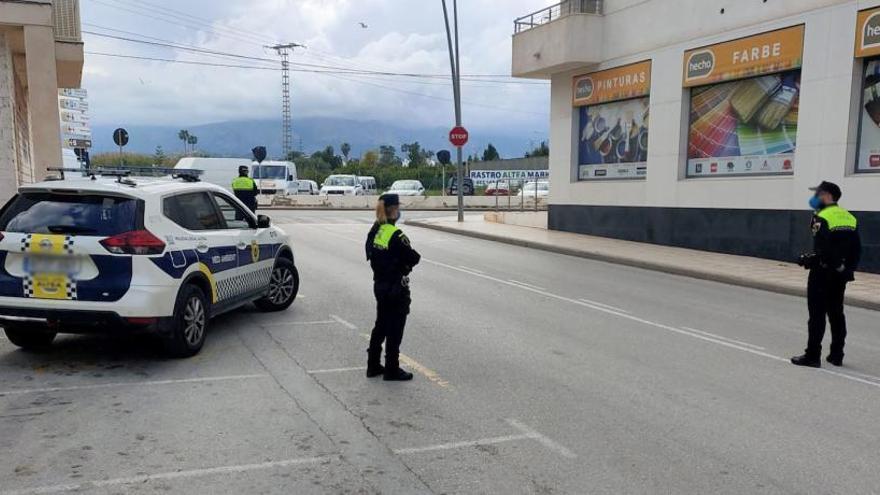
pixel 458 136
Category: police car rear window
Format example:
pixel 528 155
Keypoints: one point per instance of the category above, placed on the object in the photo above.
pixel 50 213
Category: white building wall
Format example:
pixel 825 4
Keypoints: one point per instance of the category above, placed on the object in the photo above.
pixel 661 30
pixel 8 159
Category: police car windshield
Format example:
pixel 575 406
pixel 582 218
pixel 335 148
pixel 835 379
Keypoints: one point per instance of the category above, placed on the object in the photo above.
pixel 269 172
pixel 340 181
pixel 46 213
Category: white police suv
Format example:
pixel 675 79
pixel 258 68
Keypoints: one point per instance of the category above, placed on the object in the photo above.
pixel 111 253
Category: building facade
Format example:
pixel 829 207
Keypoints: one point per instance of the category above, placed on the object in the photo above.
pixel 40 51
pixel 702 124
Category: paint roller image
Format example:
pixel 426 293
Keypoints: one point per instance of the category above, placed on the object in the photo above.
pixel 779 106
pixel 750 96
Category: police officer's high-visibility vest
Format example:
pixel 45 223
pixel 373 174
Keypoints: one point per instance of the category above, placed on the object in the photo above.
pixel 383 236
pixel 838 218
pixel 243 184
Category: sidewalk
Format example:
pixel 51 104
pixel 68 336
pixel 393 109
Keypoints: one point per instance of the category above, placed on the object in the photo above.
pixel 758 273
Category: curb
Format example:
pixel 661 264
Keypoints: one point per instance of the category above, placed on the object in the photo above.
pixel 695 273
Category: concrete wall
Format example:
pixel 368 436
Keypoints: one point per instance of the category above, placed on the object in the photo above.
pixel 417 202
pixel 828 113
pixel 8 157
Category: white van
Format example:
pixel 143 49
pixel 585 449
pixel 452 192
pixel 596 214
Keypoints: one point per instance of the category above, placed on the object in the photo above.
pixel 342 185
pixel 369 185
pixel 271 177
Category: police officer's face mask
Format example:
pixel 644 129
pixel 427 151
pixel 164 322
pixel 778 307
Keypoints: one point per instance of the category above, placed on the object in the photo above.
pixel 816 203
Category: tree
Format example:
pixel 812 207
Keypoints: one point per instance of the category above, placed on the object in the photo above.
pixel 370 159
pixel 414 154
pixel 346 150
pixel 491 154
pixel 193 141
pixel 541 150
pixel 183 135
pixel 159 156
pixel 328 156
pixel 388 155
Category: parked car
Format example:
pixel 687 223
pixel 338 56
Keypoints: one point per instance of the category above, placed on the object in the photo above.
pixel 467 189
pixel 305 188
pixel 116 254
pixel 369 185
pixel 529 189
pixel 498 188
pixel 407 188
pixel 342 185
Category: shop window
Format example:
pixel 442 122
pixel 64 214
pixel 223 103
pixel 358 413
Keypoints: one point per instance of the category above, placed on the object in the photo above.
pixel 613 140
pixel 868 157
pixel 744 127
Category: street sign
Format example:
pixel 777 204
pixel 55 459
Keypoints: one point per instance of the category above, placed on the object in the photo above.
pixel 120 137
pixel 458 136
pixel 259 153
pixel 444 156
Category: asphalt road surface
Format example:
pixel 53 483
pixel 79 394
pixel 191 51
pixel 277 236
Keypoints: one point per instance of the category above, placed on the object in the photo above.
pixel 535 373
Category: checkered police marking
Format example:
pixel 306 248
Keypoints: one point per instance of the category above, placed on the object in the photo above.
pixel 237 285
pixel 49 287
pixel 45 243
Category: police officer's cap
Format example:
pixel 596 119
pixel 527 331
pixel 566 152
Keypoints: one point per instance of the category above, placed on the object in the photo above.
pixel 390 199
pixel 243 169
pixel 829 187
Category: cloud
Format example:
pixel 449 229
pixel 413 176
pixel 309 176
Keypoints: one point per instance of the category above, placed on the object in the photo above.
pixel 403 36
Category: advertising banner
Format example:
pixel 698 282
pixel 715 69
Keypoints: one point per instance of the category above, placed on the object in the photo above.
pixel 869 120
pixel 868 33
pixel 613 140
pixel 745 127
pixel 485 177
pixel 766 53
pixel 619 83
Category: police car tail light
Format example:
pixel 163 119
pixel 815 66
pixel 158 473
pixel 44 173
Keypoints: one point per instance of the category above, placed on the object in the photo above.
pixel 134 242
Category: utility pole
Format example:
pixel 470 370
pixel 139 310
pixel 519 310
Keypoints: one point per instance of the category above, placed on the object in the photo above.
pixel 455 64
pixel 283 50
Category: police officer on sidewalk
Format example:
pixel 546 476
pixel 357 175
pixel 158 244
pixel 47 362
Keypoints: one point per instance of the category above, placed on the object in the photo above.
pixel 392 259
pixel 835 257
pixel 245 188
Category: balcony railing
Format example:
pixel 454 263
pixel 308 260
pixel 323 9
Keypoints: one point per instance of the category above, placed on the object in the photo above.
pixel 561 9
pixel 65 14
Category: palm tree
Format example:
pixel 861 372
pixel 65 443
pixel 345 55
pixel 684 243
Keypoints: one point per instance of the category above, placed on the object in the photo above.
pixel 346 150
pixel 183 135
pixel 192 140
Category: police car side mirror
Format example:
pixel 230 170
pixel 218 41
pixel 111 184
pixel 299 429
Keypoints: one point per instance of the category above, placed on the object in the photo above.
pixel 263 222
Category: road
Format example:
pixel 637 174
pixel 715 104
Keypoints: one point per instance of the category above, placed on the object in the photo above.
pixel 535 373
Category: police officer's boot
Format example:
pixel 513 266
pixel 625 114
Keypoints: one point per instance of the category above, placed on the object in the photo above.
pixel 835 358
pixel 397 375
pixel 807 360
pixel 374 366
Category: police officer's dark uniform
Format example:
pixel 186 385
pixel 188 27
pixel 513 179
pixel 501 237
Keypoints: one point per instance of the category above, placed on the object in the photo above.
pixel 392 259
pixel 832 264
pixel 245 188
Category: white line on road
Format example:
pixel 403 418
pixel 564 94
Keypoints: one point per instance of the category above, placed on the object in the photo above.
pixel 131 384
pixel 190 473
pixel 530 286
pixel 346 324
pixel 543 439
pixel 652 323
pixel 336 370
pixel 602 305
pixel 689 329
pixel 471 269
pixel 463 444
pixel 289 323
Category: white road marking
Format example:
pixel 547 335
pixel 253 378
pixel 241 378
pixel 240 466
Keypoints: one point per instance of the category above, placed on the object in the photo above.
pixel 543 439
pixel 471 269
pixel 603 305
pixel 336 370
pixel 130 384
pixel 459 445
pixel 689 329
pixel 290 323
pixel 526 285
pixel 346 324
pixel 650 323
pixel 190 473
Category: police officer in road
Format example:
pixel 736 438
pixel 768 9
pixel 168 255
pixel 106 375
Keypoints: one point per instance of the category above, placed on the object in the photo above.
pixel 835 257
pixel 392 259
pixel 245 188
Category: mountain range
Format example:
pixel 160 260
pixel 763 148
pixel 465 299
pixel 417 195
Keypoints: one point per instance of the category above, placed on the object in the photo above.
pixel 237 138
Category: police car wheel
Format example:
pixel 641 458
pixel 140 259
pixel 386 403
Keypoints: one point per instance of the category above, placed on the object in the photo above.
pixel 30 338
pixel 283 287
pixel 189 324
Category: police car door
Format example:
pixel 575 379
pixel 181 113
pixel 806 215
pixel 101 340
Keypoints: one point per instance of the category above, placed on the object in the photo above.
pixel 255 262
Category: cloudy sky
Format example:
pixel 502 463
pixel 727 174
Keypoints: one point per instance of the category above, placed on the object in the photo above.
pixel 401 36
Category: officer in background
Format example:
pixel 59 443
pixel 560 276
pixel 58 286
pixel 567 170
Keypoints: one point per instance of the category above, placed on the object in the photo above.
pixel 392 259
pixel 835 257
pixel 245 188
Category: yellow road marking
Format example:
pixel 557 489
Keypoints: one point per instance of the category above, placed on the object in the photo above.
pixel 419 368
